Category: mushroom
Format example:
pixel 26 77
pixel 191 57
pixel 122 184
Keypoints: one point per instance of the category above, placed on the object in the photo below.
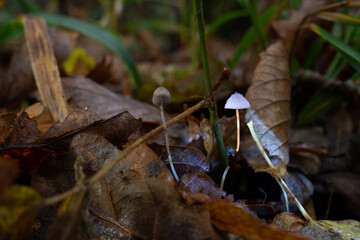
pixel 161 98
pixel 237 101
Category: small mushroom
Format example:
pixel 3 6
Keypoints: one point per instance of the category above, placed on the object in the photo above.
pixel 237 101
pixel 161 98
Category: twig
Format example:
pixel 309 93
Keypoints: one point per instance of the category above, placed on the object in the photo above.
pixel 105 169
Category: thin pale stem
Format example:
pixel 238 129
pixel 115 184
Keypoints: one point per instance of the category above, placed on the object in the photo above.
pixel 238 130
pixel 224 177
pixel 275 173
pixel 167 143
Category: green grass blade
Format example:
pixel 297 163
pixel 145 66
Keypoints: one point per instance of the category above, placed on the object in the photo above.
pixel 350 54
pixel 223 19
pixel 250 35
pixel 109 39
pixel 10 30
pixel 259 29
pixel 339 17
pixel 28 6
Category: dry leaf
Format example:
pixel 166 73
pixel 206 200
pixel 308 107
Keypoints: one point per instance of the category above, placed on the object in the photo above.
pixel 17 130
pixel 333 230
pixel 240 221
pixel 183 156
pixel 199 183
pixel 137 198
pixel 288 221
pixel 269 97
pixel 116 129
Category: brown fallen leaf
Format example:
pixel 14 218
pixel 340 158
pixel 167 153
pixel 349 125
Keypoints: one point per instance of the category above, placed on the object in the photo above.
pixel 334 230
pixel 84 93
pixel 27 158
pixel 183 156
pixel 137 199
pixel 269 97
pixel 240 221
pixel 288 221
pixel 16 130
pixel 116 129
pixel 199 183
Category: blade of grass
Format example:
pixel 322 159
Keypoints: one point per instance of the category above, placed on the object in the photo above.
pixel 223 19
pixel 350 54
pixel 250 35
pixel 335 67
pixel 10 30
pixel 339 17
pixel 259 29
pixel 212 110
pixel 109 39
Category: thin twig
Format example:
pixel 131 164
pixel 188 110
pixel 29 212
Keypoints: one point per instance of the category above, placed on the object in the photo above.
pixel 105 169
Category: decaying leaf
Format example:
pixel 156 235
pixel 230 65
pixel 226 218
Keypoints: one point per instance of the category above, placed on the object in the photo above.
pixel 199 183
pixel 17 130
pixel 289 221
pixel 334 230
pixel 116 129
pixel 183 156
pixel 269 97
pixel 84 93
pixel 240 221
pixel 137 199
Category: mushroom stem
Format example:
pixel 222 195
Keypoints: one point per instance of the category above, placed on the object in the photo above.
pixel 238 130
pixel 167 143
pixel 224 177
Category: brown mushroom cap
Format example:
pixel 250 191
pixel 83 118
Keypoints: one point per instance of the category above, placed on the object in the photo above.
pixel 237 101
pixel 161 96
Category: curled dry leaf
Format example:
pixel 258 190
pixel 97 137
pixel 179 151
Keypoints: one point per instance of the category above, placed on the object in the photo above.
pixel 240 221
pixel 137 199
pixel 269 97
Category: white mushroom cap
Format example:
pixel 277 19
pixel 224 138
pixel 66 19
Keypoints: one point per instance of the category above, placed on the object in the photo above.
pixel 237 101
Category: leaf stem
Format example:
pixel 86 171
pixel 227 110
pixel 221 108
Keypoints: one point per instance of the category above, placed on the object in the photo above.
pixel 212 110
